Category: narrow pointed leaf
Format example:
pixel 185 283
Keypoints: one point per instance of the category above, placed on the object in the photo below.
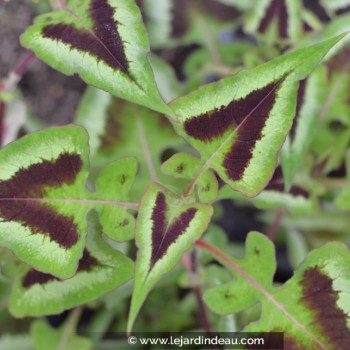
pixel 104 41
pixel 240 123
pixel 100 270
pixel 308 109
pixel 296 200
pixel 184 165
pixel 44 200
pixel 312 308
pixel 166 228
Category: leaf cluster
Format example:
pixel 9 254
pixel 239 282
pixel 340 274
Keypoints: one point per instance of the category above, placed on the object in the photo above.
pixel 124 207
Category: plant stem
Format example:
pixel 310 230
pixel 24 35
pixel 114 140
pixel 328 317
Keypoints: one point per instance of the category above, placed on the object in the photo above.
pixel 210 42
pixel 334 183
pixel 16 73
pixel 272 232
pixel 145 147
pixel 10 83
pixel 225 260
pixel 70 327
pixel 190 263
pixel 57 4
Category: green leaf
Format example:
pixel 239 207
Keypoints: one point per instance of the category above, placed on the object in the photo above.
pixel 44 200
pixel 158 18
pixel 45 337
pixel 295 200
pixel 322 226
pixel 312 308
pixel 16 342
pixel 183 165
pixel 105 42
pixel 333 134
pixel 337 6
pixel 297 246
pixel 239 123
pixel 308 109
pixel 333 28
pixel 100 270
pixel 166 79
pixel 167 225
pixel 117 128
pixel 298 203
pixel 115 181
pixel 276 20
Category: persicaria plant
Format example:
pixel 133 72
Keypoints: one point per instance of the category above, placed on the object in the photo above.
pixel 123 216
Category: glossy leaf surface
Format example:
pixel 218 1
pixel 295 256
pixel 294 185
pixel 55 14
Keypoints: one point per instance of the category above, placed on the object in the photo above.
pixel 100 270
pixel 240 123
pixel 166 228
pixel 44 200
pixel 311 308
pixel 183 165
pixel 104 41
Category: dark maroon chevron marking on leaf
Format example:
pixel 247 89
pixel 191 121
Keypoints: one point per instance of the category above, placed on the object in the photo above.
pixel 215 123
pixel 36 277
pixel 320 297
pixel 86 263
pixel 342 10
pixel 163 236
pixel 247 115
pixel 300 101
pixel 159 224
pixel 317 9
pixel 250 128
pixel 277 184
pixel 103 41
pixel 291 343
pixel 30 183
pixel 277 10
pixel 307 27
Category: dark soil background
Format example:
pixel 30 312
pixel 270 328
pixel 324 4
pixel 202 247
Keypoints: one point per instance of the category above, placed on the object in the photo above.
pixel 51 96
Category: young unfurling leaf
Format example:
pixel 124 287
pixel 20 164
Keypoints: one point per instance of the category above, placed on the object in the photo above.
pixel 239 124
pixel 312 308
pixel 184 165
pixel 104 41
pixel 166 228
pixel 44 200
